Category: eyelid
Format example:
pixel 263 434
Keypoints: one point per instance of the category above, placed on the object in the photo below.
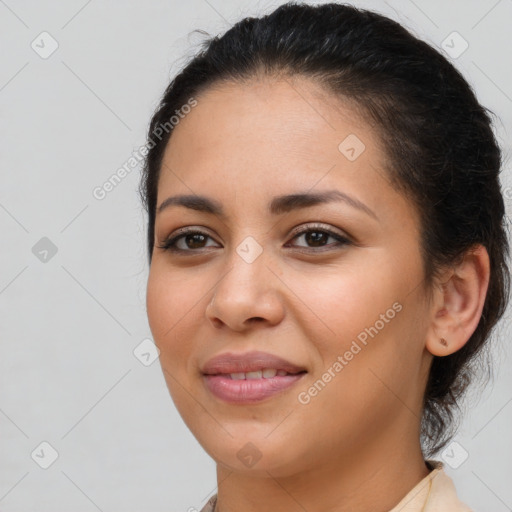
pixel 295 231
pixel 169 243
pixel 189 229
pixel 318 225
pixel 182 232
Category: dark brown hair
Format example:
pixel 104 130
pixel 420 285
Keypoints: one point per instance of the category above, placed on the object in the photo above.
pixel 438 140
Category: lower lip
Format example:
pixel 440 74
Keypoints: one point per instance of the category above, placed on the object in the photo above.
pixel 248 391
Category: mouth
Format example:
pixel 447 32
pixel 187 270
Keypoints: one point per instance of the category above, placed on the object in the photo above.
pixel 266 373
pixel 249 378
pixel 248 363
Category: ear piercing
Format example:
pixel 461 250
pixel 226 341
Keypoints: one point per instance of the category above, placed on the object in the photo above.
pixel 444 342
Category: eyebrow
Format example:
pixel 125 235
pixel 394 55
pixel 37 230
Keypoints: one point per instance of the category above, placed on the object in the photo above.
pixel 278 206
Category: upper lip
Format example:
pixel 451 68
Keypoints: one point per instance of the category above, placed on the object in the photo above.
pixel 230 362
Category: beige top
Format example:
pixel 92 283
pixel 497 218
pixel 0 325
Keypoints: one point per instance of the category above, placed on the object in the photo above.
pixel 435 493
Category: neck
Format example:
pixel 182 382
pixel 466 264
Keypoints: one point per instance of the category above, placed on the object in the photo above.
pixel 370 479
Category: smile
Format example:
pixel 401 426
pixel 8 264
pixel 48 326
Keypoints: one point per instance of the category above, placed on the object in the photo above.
pixel 267 373
pixel 251 377
pixel 242 388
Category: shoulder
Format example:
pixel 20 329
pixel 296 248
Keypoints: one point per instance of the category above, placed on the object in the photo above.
pixel 435 493
pixel 443 494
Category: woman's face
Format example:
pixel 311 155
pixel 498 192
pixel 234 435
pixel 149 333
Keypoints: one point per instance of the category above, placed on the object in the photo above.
pixel 333 287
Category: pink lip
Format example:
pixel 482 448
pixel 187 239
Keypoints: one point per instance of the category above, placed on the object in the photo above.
pixel 230 362
pixel 216 375
pixel 248 391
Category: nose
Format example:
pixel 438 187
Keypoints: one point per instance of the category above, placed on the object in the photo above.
pixel 247 296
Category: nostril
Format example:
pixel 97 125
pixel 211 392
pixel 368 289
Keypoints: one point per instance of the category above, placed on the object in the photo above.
pixel 256 319
pixel 217 323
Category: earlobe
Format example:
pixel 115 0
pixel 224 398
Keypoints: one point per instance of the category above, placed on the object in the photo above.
pixel 458 304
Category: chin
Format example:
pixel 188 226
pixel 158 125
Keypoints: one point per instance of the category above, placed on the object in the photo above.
pixel 255 455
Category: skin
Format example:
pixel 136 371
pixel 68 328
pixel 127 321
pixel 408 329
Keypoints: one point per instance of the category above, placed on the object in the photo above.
pixel 355 445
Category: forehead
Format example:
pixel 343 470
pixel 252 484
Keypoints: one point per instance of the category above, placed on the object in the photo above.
pixel 282 120
pixel 273 136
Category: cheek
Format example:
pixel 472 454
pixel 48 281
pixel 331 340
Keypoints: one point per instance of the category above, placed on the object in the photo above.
pixel 341 303
pixel 369 319
pixel 170 309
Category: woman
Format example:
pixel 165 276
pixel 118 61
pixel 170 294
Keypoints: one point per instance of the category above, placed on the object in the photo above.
pixel 327 258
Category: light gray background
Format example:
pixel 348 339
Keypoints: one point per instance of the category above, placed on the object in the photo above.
pixel 69 325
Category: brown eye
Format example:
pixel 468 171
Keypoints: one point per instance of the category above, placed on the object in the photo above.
pixel 187 241
pixel 316 237
pixel 194 240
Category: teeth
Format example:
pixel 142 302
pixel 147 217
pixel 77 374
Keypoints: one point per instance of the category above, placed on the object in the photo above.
pixel 267 373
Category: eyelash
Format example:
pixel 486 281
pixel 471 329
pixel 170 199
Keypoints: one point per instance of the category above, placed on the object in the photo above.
pixel 170 243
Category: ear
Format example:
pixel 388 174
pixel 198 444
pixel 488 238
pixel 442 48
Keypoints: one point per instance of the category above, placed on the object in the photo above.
pixel 458 302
